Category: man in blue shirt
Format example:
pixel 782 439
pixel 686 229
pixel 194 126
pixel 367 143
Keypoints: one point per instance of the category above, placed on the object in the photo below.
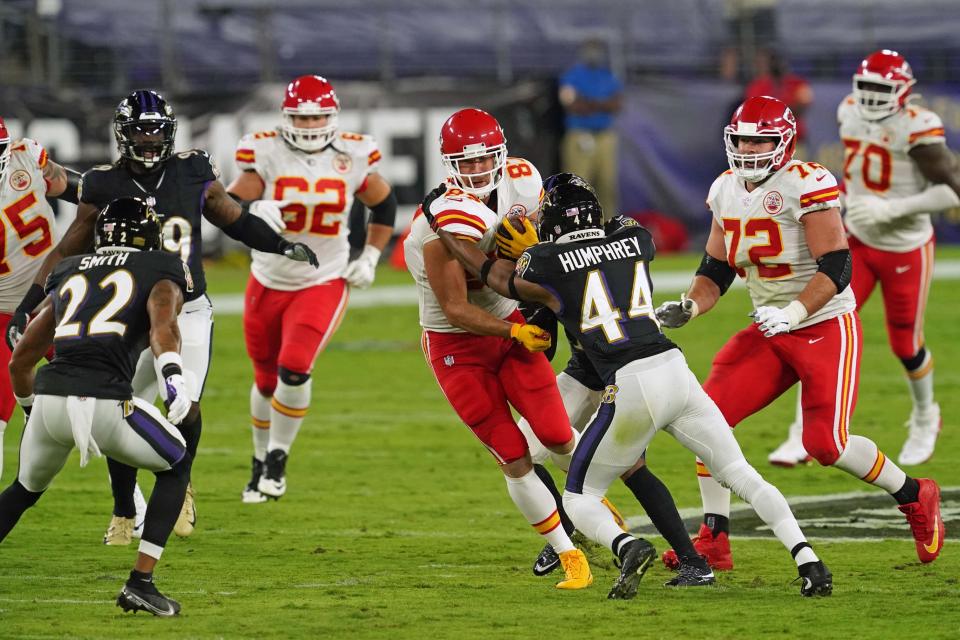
pixel 591 95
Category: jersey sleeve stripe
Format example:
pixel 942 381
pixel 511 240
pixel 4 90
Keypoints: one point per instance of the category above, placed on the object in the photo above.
pixel 374 157
pixel 932 133
pixel 473 221
pixel 460 236
pixel 821 198
pixel 245 155
pixel 42 161
pixel 813 196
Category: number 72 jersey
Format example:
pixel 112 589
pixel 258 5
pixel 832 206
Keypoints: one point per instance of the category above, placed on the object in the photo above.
pixel 764 234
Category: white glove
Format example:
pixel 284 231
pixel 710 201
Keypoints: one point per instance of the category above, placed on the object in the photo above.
pixel 871 210
pixel 269 211
pixel 361 272
pixel 774 320
pixel 178 398
pixel 677 313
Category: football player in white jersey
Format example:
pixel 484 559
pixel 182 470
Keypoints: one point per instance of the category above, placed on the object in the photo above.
pixel 481 350
pixel 27 178
pixel 897 171
pixel 776 223
pixel 302 179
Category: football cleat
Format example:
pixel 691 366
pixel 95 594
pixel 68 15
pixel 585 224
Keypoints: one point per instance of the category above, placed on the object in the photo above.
pixel 922 436
pixel 577 570
pixel 637 558
pixel 141 506
pixel 791 452
pixel 692 575
pixel 251 494
pixel 273 482
pixel 188 514
pixel 715 550
pixel 616 514
pixel 925 520
pixel 817 579
pixel 143 596
pixel 120 532
pixel 547 561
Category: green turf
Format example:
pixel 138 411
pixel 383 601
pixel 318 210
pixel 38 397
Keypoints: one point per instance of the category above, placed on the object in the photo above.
pixel 397 523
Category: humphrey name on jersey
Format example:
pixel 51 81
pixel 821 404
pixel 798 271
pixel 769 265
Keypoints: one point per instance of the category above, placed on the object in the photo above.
pixel 582 257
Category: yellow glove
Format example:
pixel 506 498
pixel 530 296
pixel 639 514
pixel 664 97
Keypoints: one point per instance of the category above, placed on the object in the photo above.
pixel 511 242
pixel 532 337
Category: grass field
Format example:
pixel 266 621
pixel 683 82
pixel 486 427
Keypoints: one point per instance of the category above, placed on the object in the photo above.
pixel 397 524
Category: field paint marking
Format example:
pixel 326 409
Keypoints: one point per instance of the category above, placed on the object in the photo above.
pixel 406 294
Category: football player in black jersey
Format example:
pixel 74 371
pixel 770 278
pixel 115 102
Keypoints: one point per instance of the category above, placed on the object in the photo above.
pixel 106 307
pixel 600 289
pixel 183 188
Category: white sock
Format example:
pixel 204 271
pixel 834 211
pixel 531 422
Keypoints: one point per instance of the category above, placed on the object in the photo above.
pixel 287 410
pixel 538 506
pixel 716 498
pixel 562 460
pixel 259 422
pixel 3 427
pixel 864 460
pixel 920 381
pixel 592 518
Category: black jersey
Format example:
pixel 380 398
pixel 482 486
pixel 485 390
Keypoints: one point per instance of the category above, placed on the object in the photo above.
pixel 605 294
pixel 102 324
pixel 177 190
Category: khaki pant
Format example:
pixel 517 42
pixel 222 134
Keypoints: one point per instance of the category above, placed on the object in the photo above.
pixel 593 156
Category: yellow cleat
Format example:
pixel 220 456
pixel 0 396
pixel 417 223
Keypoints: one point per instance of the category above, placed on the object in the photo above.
pixel 120 532
pixel 188 515
pixel 577 570
pixel 616 514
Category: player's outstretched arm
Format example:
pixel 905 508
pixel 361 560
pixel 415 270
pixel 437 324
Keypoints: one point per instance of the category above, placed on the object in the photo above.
pixel 378 196
pixel 34 345
pixel 939 166
pixel 713 277
pixel 163 306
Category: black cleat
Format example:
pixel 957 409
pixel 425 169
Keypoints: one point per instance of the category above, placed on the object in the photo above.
pixel 817 579
pixel 251 494
pixel 637 558
pixel 692 575
pixel 547 561
pixel 273 482
pixel 143 596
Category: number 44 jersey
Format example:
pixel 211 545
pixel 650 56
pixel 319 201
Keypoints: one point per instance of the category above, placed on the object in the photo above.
pixel 764 234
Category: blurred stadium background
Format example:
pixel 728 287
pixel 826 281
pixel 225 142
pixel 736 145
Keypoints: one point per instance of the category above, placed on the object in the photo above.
pixel 402 66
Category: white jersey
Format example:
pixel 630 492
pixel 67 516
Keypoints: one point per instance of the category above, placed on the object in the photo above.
pixel 319 188
pixel 467 217
pixel 877 163
pixel 27 221
pixel 764 235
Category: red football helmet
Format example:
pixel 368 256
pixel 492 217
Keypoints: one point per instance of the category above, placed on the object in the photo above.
pixel 881 84
pixel 4 150
pixel 473 133
pixel 761 116
pixel 309 96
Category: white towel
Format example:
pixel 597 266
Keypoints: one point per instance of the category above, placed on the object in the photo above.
pixel 80 413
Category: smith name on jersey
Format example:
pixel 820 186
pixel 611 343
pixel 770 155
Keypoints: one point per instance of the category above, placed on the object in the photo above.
pixel 467 217
pixel 29 235
pixel 102 324
pixel 320 188
pixel 877 163
pixel 606 294
pixel 764 234
pixel 178 195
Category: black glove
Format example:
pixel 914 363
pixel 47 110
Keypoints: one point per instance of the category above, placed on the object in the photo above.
pixel 428 200
pixel 299 251
pixel 16 327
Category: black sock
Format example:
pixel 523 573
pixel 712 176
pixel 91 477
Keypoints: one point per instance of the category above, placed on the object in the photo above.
pixel 14 500
pixel 656 500
pixel 909 492
pixel 716 523
pixel 166 501
pixel 191 433
pixel 619 545
pixel 547 479
pixel 139 576
pixel 123 480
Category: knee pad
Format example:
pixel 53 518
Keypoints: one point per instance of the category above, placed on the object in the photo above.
pixel 911 363
pixel 738 476
pixel 292 378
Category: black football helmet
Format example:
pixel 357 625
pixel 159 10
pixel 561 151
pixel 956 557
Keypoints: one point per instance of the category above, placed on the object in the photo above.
pixel 145 127
pixel 570 212
pixel 557 179
pixel 128 222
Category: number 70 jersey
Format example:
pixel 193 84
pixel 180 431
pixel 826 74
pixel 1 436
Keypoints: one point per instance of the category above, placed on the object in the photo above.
pixel 764 234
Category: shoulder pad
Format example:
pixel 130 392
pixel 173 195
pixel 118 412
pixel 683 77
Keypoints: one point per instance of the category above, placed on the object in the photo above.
pixel 200 163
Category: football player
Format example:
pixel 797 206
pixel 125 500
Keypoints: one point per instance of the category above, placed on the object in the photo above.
pixel 183 188
pixel 27 178
pixel 309 171
pixel 105 307
pixel 897 171
pixel 485 356
pixel 776 223
pixel 599 287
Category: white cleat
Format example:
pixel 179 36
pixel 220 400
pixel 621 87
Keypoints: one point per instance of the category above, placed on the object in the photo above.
pixel 923 431
pixel 791 452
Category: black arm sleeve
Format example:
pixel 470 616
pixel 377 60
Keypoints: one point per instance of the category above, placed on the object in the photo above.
pixel 72 192
pixel 838 266
pixel 386 212
pixel 35 295
pixel 255 233
pixel 718 271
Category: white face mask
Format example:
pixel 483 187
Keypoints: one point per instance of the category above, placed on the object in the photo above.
pixel 466 181
pixel 309 138
pixel 877 104
pixel 754 167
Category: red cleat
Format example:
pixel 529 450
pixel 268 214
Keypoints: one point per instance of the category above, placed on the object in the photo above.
pixel 925 521
pixel 716 550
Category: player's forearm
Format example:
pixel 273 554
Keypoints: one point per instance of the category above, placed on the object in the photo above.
pixel 378 235
pixel 704 292
pixel 466 253
pixel 473 319
pixel 818 292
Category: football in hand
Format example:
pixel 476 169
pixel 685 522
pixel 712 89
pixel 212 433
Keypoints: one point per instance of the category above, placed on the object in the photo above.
pixel 515 220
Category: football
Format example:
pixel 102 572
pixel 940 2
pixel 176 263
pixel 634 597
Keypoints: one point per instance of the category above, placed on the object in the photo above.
pixel 515 220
